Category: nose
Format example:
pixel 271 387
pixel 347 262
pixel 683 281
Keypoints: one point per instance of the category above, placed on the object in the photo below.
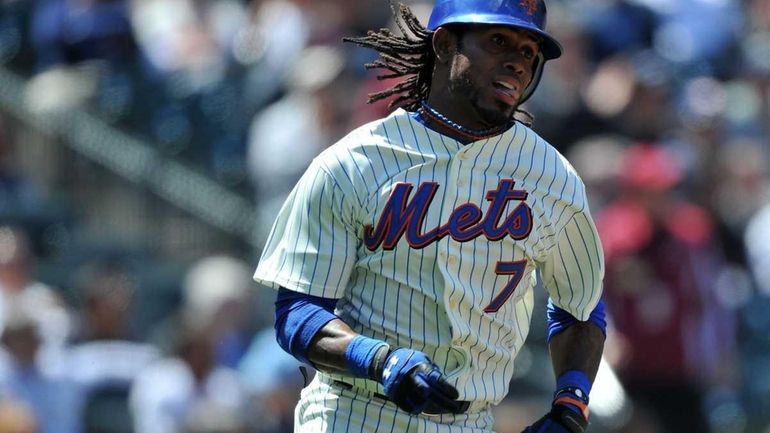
pixel 516 64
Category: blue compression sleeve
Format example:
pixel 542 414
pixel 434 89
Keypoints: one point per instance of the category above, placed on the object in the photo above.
pixel 559 320
pixel 298 317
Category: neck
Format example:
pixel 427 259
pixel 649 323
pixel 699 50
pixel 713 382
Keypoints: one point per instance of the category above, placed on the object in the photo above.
pixel 446 124
pixel 456 111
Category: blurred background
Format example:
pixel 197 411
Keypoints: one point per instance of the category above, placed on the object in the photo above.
pixel 146 145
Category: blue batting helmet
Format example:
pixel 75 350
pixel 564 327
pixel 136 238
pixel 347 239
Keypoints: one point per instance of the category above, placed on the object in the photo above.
pixel 524 14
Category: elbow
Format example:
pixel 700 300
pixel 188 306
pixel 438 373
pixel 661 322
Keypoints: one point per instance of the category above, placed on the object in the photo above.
pixel 282 335
pixel 298 318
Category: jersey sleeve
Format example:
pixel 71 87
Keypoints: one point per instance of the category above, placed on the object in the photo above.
pixel 312 246
pixel 574 270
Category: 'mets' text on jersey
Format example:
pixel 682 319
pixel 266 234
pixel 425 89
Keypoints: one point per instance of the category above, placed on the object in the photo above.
pixel 432 244
pixel 464 223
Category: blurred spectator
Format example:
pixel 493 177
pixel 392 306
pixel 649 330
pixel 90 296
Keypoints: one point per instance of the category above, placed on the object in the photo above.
pixel 18 287
pixel 560 104
pixel 756 321
pixel 106 291
pixel 598 160
pixel 85 51
pixel 20 197
pixel 16 418
pixel 207 337
pixel 68 32
pixel 631 24
pixel 302 123
pixel 216 63
pixel 232 87
pixel 171 391
pixel 662 266
pixel 207 418
pixel 646 111
pixel 54 401
pixel 272 382
pixel 694 32
pixel 268 45
pixel 757 238
pixel 739 183
pixel 106 359
pixel 330 20
pixel 186 41
pixel 219 292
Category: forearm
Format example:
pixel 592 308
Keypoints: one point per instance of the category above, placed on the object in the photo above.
pixel 307 328
pixel 576 350
pixel 413 382
pixel 579 347
pixel 328 347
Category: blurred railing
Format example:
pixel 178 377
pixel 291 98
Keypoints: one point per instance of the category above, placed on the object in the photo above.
pixel 136 161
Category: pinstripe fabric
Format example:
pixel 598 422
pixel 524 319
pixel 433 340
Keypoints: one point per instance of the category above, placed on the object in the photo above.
pixel 324 407
pixel 433 297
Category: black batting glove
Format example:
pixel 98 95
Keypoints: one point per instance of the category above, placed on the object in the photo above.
pixel 560 419
pixel 569 413
pixel 413 382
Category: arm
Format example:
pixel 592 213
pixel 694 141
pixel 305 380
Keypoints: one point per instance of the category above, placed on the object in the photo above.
pixel 328 347
pixel 575 354
pixel 579 348
pixel 576 350
pixel 576 323
pixel 320 211
pixel 307 328
pixel 575 345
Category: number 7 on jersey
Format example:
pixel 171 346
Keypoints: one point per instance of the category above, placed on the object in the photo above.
pixel 516 271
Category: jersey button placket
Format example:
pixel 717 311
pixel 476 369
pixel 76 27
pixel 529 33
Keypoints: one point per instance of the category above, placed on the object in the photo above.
pixel 450 260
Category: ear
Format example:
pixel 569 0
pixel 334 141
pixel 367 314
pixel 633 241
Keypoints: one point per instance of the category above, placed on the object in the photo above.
pixel 445 45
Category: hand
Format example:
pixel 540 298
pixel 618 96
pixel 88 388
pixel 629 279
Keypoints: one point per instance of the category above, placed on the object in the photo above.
pixel 413 381
pixel 559 420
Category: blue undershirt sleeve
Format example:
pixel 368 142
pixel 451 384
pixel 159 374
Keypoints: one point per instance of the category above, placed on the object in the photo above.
pixel 298 317
pixel 558 320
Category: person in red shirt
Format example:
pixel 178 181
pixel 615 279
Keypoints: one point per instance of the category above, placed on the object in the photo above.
pixel 663 259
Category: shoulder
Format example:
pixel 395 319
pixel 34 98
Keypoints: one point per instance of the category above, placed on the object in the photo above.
pixel 373 152
pixel 366 140
pixel 354 150
pixel 558 162
pixel 560 180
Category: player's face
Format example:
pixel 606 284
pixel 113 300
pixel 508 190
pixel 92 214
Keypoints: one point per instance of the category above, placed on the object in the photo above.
pixel 492 67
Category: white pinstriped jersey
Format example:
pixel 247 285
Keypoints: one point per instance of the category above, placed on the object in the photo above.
pixel 432 244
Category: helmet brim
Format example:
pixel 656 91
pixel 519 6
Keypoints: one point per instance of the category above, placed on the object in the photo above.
pixel 551 48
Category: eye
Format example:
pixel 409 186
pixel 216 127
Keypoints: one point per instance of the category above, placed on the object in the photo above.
pixel 498 40
pixel 527 52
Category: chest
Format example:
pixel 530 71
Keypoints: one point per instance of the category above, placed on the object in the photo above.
pixel 464 198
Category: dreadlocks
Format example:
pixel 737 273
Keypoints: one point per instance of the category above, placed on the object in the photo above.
pixel 409 55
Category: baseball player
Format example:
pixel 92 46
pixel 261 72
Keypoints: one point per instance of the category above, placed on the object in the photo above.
pixel 405 258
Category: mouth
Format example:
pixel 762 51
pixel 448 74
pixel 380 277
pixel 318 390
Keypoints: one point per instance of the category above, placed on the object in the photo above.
pixel 506 91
